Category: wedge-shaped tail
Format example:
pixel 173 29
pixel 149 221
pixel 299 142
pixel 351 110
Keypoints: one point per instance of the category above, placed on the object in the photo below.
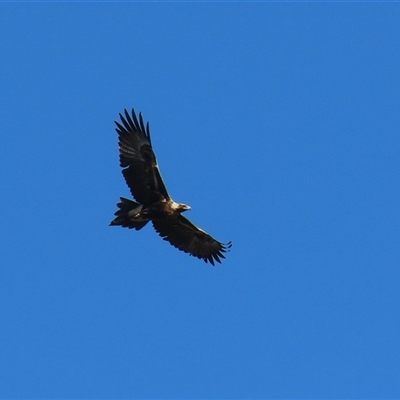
pixel 129 215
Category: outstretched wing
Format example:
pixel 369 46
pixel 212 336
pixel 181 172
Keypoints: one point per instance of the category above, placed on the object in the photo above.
pixel 185 236
pixel 136 156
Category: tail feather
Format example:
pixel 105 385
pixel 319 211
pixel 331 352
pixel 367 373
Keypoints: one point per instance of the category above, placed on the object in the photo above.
pixel 129 215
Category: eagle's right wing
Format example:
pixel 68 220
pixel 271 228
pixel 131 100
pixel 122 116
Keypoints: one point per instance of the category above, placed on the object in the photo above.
pixel 187 237
pixel 136 156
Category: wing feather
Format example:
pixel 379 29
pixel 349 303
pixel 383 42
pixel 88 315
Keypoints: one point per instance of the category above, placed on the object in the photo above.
pixel 187 237
pixel 141 171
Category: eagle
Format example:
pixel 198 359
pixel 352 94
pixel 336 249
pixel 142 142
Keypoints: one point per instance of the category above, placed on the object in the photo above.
pixel 153 203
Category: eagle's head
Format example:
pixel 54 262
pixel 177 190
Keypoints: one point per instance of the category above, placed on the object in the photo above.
pixel 177 207
pixel 183 207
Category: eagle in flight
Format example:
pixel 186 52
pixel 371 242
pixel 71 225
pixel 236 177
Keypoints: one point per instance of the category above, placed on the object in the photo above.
pixel 153 203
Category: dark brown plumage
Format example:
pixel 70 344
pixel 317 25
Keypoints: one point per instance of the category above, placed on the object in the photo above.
pixel 154 204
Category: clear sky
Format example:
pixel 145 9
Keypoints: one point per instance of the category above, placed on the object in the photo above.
pixel 279 123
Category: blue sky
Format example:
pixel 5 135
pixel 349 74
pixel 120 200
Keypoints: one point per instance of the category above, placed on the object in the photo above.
pixel 278 123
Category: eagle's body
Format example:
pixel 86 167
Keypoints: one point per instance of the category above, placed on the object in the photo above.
pixel 154 204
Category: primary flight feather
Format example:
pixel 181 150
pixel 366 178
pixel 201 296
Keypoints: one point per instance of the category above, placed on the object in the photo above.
pixel 142 175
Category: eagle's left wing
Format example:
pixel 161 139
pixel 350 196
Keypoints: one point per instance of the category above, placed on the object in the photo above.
pixel 136 155
pixel 185 236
